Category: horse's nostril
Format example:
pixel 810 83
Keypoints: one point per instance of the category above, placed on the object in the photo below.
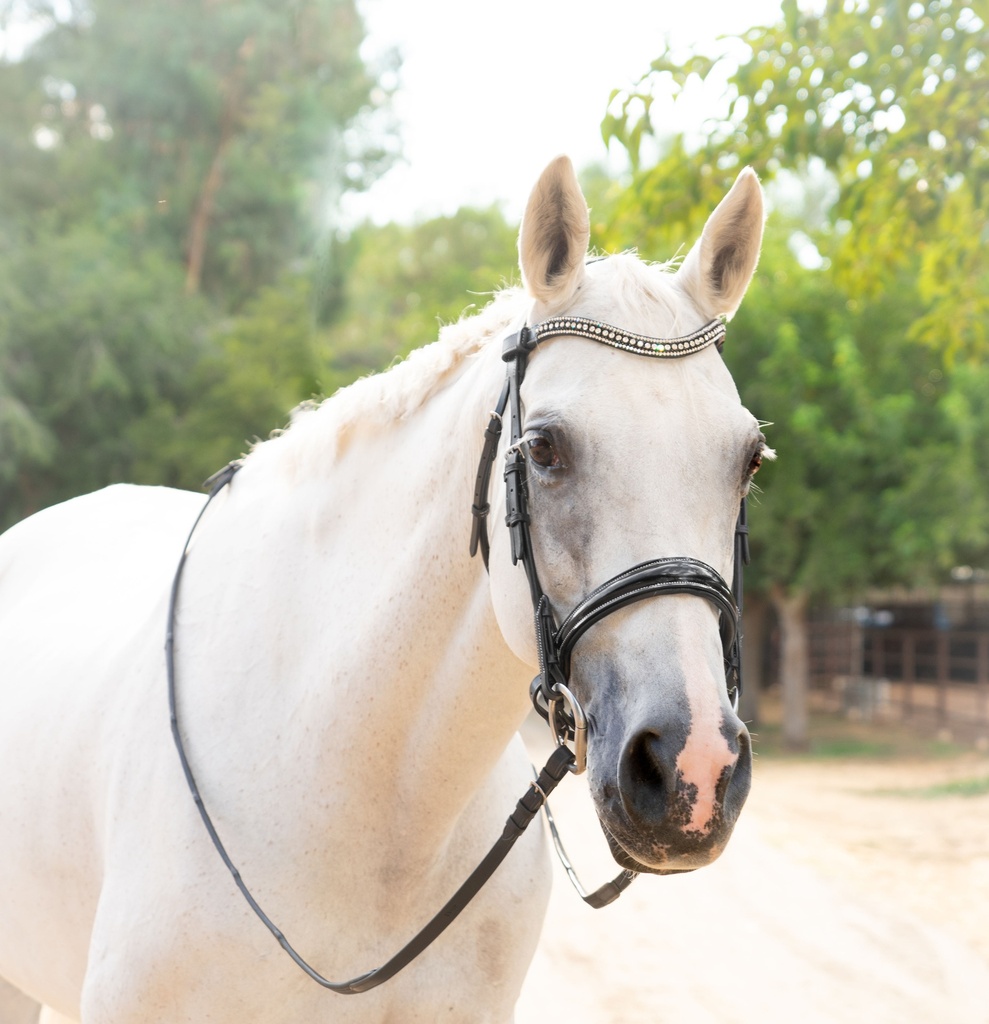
pixel 644 777
pixel 737 784
pixel 645 758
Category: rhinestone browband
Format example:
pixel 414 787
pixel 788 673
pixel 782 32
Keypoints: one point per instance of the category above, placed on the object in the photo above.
pixel 712 333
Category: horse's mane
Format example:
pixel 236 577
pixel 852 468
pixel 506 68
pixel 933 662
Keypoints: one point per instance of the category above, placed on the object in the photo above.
pixel 323 429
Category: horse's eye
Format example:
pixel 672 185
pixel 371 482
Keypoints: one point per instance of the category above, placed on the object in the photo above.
pixel 542 452
pixel 755 463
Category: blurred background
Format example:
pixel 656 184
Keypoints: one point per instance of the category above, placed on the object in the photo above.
pixel 211 211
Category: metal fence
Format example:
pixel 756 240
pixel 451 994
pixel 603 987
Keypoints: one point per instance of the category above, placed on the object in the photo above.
pixel 938 677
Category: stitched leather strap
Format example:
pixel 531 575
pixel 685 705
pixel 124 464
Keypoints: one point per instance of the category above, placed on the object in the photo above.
pixel 554 771
pixel 649 579
pixel 482 484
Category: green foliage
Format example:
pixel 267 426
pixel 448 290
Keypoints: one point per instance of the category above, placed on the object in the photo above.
pixel 881 471
pixel 165 168
pixel 255 369
pixel 198 128
pixel 401 283
pixel 872 365
pixel 971 787
pixel 833 736
pixel 890 96
pixel 91 337
pixel 386 291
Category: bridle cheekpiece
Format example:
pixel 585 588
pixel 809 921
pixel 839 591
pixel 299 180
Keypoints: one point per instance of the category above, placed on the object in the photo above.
pixel 550 692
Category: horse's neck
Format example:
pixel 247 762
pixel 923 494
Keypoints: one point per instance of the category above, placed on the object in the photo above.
pixel 366 609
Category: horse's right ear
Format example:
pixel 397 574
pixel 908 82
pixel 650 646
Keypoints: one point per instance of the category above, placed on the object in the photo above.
pixel 717 270
pixel 554 235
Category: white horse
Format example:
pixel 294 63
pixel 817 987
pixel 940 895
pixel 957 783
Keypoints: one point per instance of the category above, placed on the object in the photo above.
pixel 351 682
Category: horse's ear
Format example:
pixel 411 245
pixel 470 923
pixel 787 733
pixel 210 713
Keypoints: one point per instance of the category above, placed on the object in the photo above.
pixel 554 235
pixel 717 270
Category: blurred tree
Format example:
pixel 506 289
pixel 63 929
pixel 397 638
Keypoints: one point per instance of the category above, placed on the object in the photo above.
pixel 890 97
pixel 256 369
pixel 881 471
pixel 402 282
pixel 871 362
pixel 165 167
pixel 91 337
pixel 386 292
pixel 199 127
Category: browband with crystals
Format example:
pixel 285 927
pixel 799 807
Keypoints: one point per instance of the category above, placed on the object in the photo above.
pixel 712 333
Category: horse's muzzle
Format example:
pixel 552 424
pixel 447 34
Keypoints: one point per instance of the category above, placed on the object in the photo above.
pixel 663 815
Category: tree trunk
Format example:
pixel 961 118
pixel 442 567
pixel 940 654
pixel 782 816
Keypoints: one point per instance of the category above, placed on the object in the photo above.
pixel 755 622
pixel 202 215
pixel 201 218
pixel 794 665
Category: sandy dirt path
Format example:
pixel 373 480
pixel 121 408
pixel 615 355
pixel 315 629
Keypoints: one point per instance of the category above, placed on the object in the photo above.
pixel 841 898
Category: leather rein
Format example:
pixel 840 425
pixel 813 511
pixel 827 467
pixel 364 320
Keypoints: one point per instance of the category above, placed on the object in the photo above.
pixel 549 692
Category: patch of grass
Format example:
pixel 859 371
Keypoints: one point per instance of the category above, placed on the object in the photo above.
pixel 850 746
pixel 827 740
pixel 960 787
pixel 832 736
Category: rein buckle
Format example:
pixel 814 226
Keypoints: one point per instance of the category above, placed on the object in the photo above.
pixel 572 721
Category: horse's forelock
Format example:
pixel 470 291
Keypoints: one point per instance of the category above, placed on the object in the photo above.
pixel 629 292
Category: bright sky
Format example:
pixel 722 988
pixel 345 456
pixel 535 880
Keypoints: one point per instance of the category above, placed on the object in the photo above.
pixel 489 93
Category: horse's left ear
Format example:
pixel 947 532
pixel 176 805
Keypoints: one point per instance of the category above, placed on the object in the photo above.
pixel 717 270
pixel 554 235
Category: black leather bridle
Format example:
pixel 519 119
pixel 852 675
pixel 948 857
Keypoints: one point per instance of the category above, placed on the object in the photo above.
pixel 550 693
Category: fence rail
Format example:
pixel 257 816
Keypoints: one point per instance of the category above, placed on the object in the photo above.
pixel 941 675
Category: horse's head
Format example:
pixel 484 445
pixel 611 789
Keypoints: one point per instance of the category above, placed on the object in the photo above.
pixel 630 459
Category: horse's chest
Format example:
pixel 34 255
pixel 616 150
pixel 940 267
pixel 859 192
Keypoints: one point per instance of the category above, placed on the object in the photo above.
pixel 346 906
pixel 208 960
